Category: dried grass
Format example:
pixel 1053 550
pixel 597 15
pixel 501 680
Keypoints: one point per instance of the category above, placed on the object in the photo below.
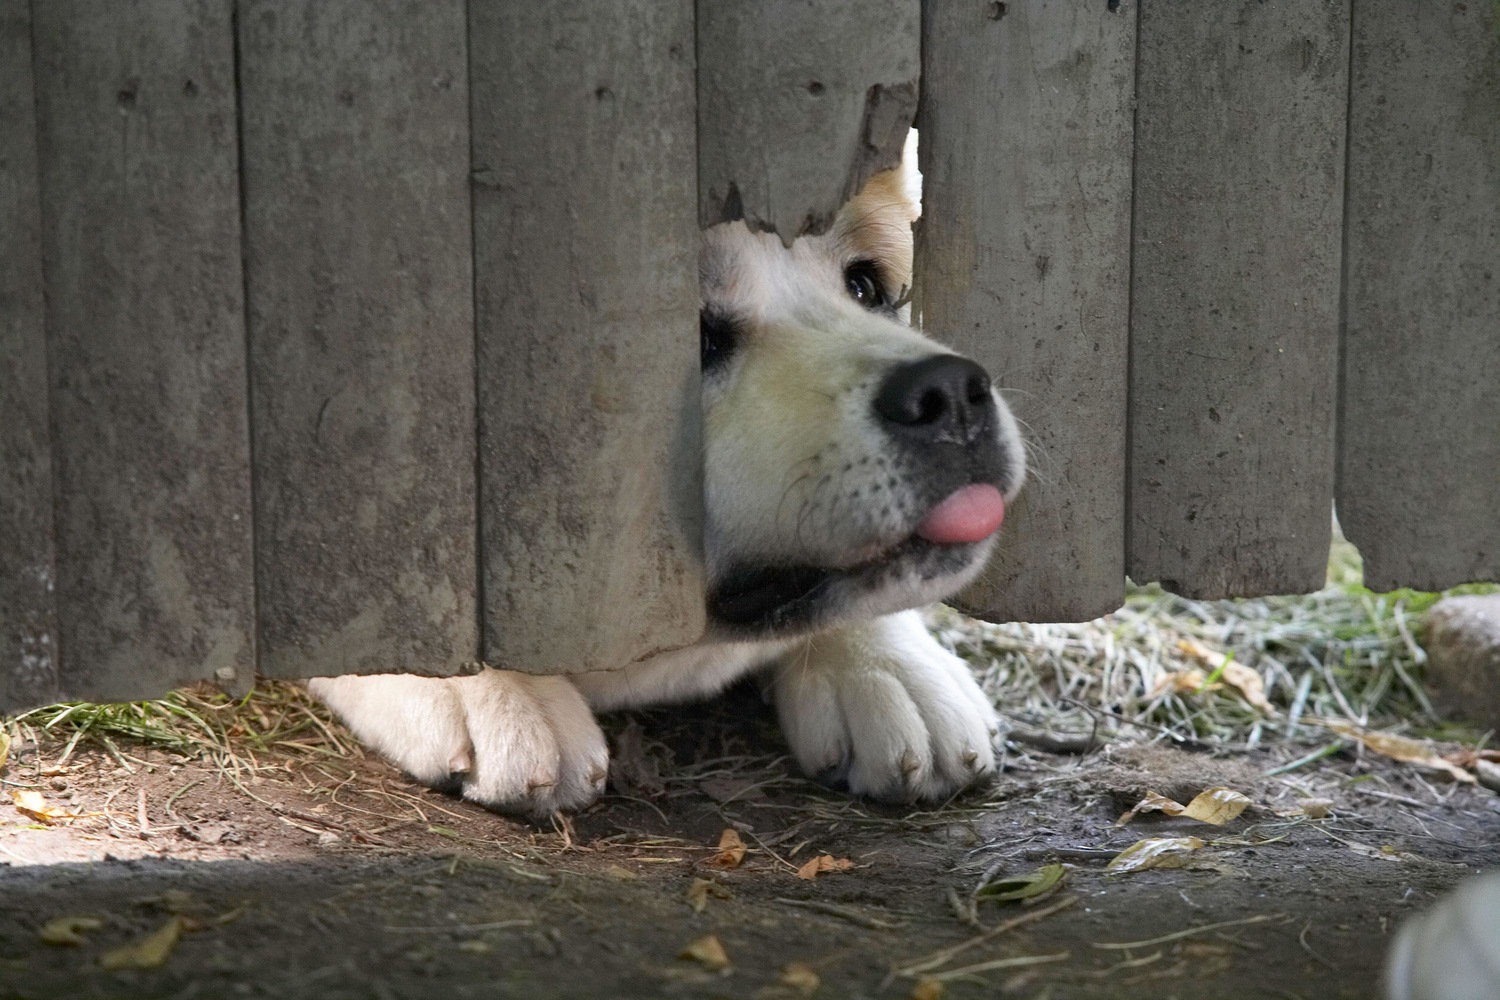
pixel 1341 652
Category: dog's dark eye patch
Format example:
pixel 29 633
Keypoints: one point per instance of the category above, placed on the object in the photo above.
pixel 862 280
pixel 718 335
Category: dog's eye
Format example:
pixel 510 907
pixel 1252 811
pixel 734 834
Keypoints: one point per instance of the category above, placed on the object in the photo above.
pixel 717 335
pixel 863 282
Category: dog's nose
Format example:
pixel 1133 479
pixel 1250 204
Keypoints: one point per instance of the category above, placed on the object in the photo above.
pixel 943 396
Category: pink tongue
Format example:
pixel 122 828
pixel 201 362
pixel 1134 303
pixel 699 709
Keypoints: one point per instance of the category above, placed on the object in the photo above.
pixel 971 514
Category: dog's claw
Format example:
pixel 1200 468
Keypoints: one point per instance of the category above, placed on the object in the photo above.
pixel 970 759
pixel 909 762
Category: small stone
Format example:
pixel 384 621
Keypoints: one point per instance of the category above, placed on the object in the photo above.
pixel 1463 651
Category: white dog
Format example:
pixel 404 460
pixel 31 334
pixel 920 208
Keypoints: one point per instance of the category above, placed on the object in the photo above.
pixel 854 469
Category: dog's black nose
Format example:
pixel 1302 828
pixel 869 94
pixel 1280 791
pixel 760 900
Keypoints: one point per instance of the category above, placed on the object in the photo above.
pixel 944 396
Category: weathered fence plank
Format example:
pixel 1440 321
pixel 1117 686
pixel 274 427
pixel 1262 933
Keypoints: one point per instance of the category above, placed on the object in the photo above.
pixel 1235 291
pixel 799 102
pixel 1419 463
pixel 1023 264
pixel 357 255
pixel 140 235
pixel 28 618
pixel 585 256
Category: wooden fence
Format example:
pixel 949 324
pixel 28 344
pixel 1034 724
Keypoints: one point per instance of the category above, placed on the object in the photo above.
pixel 358 335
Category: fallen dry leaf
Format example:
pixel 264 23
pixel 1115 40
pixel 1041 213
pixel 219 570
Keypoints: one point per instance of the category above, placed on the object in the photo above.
pixel 621 872
pixel 4 749
pixel 68 931
pixel 35 805
pixel 1402 748
pixel 1153 802
pixel 1249 684
pixel 1385 852
pixel 731 850
pixel 149 952
pixel 801 977
pixel 1030 886
pixel 701 890
pixel 928 989
pixel 1154 852
pixel 706 951
pixel 1467 757
pixel 1311 808
pixel 1179 682
pixel 1238 676
pixel 1214 805
pixel 823 863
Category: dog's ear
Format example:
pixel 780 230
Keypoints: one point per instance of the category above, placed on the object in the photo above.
pixel 877 223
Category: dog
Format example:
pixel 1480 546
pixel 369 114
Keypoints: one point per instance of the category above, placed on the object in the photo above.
pixel 854 470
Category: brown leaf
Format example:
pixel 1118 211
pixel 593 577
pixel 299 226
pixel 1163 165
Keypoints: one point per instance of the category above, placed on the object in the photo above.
pixel 701 890
pixel 68 931
pixel 823 863
pixel 1178 682
pixel 801 977
pixel 1153 802
pixel 35 805
pixel 148 952
pixel 1216 805
pixel 706 951
pixel 1154 852
pixel 1249 684
pixel 1402 748
pixel 731 850
pixel 928 989
pixel 1311 808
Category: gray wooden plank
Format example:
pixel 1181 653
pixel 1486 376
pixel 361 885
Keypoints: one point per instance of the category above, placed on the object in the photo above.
pixel 1023 263
pixel 1419 463
pixel 585 270
pixel 28 613
pixel 141 236
pixel 358 278
pixel 799 102
pixel 1235 291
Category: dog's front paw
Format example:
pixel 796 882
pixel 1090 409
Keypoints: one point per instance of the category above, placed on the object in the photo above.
pixel 513 742
pixel 883 708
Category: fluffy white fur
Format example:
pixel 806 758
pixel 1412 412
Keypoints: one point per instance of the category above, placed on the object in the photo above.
pixel 798 471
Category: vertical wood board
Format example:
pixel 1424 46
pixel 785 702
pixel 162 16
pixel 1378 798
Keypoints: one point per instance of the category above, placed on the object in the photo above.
pixel 799 103
pixel 1235 290
pixel 1023 264
pixel 28 619
pixel 146 345
pixel 359 284
pixel 1419 463
pixel 586 244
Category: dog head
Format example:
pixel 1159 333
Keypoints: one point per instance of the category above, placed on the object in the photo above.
pixel 853 467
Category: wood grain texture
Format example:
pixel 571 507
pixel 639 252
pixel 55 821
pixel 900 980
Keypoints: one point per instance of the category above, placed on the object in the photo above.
pixel 586 243
pixel 1235 293
pixel 146 344
pixel 1419 462
pixel 28 613
pixel 799 102
pixel 1023 264
pixel 355 123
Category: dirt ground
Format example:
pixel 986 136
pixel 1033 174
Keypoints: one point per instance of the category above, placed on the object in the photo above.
pixel 310 875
